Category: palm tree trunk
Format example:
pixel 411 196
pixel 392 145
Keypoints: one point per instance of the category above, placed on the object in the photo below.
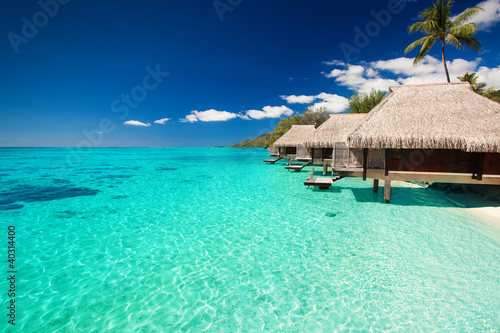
pixel 444 62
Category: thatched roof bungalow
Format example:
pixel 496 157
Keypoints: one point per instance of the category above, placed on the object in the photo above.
pixel 292 142
pixel 433 132
pixel 328 142
pixel 334 130
pixel 431 116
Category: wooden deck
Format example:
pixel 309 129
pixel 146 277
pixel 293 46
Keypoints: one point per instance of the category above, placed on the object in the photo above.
pixel 436 177
pixel 322 183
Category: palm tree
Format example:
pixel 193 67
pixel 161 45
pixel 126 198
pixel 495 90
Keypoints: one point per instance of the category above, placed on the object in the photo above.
pixel 472 79
pixel 479 88
pixel 437 24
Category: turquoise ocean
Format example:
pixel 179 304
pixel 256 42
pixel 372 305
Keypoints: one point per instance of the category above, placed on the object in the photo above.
pixel 213 239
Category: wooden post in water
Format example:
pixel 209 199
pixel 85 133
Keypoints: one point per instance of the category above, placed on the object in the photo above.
pixel 387 191
pixel 324 168
pixel 375 185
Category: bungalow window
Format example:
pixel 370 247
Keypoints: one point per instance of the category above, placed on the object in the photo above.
pixel 327 153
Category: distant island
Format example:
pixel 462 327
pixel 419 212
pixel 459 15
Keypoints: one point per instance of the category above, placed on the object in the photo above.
pixel 311 116
pixel 260 141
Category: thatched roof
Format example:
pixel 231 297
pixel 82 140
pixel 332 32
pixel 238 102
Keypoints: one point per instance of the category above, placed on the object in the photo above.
pixel 295 136
pixel 431 116
pixel 335 129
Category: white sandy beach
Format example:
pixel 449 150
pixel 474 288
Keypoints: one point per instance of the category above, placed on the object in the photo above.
pixel 486 210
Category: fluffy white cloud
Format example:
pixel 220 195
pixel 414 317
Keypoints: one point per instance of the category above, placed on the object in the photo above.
pixel 334 103
pixel 162 121
pixel 357 78
pixel 302 99
pixel 489 75
pixel 430 70
pixel 376 74
pixel 489 17
pixel 268 112
pixel 136 123
pixel 208 115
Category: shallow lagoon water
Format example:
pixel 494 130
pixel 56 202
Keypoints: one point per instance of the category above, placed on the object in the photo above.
pixel 177 239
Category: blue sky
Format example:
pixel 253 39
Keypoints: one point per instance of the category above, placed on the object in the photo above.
pixel 205 72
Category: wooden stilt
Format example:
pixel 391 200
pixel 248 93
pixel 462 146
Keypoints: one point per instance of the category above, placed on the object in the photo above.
pixel 333 156
pixel 365 162
pixel 387 191
pixel 375 185
pixel 388 154
pixel 480 166
pixel 324 169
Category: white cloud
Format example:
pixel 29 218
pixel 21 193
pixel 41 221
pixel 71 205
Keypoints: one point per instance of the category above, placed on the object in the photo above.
pixel 489 17
pixel 334 103
pixel 430 70
pixel 335 62
pixel 162 121
pixel 208 115
pixel 269 112
pixel 360 80
pixel 136 123
pixel 302 99
pixel 489 75
pixel 377 74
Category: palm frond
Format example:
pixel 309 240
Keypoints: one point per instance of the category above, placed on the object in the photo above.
pixel 425 27
pixel 452 40
pixel 471 42
pixel 426 47
pixel 416 43
pixel 466 16
pixel 471 78
pixel 442 13
pixel 464 29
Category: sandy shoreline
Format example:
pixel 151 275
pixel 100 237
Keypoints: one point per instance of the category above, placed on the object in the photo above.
pixel 485 210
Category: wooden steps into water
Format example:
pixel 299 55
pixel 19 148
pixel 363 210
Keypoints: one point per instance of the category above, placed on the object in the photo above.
pixel 321 183
pixel 272 161
pixel 296 167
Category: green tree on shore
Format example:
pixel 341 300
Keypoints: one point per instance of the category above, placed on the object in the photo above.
pixel 365 102
pixel 437 24
pixel 311 116
pixel 492 94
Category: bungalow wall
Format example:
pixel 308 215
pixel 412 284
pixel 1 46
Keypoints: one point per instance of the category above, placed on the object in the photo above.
pixel 303 153
pixel 286 151
pixel 443 160
pixel 353 158
pixel 273 151
pixel 320 154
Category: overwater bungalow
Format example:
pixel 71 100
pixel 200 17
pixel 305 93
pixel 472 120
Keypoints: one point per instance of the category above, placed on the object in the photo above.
pixel 328 144
pixel 429 132
pixel 291 144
